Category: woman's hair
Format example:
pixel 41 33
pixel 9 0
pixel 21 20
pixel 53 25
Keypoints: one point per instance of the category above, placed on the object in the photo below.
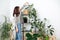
pixel 16 11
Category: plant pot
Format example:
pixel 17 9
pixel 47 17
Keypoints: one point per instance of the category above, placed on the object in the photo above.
pixel 26 11
pixel 52 38
pixel 39 38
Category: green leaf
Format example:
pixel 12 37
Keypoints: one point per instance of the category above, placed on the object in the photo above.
pixel 47 38
pixel 28 35
pixel 51 30
pixel 49 26
pixel 51 33
pixel 35 35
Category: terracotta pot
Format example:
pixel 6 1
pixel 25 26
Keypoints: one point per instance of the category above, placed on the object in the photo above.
pixel 52 38
pixel 39 38
pixel 25 11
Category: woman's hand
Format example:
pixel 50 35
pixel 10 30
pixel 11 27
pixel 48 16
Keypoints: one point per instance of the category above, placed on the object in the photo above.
pixel 16 29
pixel 26 3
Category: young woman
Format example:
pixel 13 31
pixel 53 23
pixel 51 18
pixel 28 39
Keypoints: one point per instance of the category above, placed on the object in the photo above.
pixel 16 14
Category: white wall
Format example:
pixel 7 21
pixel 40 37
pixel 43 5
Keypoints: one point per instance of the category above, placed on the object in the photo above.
pixel 49 9
pixel 4 9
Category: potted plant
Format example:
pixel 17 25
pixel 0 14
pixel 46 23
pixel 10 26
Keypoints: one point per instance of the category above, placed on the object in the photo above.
pixel 43 32
pixel 6 27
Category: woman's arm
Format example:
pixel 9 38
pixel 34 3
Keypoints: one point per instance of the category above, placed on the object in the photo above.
pixel 25 4
pixel 21 11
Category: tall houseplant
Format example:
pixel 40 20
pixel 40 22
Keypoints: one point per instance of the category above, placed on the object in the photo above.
pixel 6 27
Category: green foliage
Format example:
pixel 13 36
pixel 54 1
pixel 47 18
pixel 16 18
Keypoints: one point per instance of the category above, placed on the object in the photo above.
pixel 41 25
pixel 50 30
pixel 47 38
pixel 6 27
pixel 31 37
